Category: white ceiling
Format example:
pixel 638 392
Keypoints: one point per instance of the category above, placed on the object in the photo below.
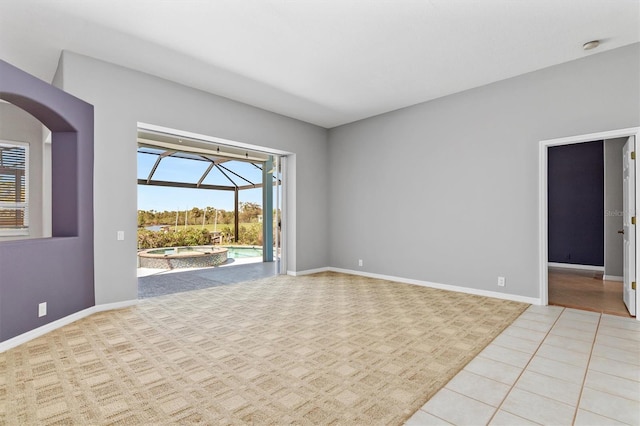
pixel 327 62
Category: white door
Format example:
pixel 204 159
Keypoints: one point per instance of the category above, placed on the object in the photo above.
pixel 280 193
pixel 629 211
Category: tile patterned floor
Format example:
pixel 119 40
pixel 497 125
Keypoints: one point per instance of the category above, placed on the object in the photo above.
pixel 552 366
pixel 158 282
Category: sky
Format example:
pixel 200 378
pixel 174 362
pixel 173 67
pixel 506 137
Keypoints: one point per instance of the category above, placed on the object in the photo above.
pixel 162 198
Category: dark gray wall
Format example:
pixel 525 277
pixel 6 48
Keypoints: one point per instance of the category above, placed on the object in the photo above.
pixel 575 203
pixel 57 270
pixel 447 191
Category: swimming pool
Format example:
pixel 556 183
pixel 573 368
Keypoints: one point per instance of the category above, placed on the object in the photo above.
pixel 241 252
pixel 195 256
pixel 182 257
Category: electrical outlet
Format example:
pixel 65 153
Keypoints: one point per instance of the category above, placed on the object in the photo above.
pixel 359 262
pixel 120 236
pixel 501 281
pixel 42 309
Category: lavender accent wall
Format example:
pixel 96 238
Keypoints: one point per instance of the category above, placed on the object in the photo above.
pixel 57 270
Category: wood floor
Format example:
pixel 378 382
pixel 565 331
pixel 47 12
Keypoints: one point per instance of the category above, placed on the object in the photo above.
pixel 583 290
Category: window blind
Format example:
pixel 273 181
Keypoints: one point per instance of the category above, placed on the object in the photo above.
pixel 13 187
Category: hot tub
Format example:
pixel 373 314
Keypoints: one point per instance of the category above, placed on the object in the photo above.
pixel 183 257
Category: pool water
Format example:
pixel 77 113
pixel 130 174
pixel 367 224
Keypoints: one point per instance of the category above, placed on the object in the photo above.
pixel 243 252
pixel 180 250
pixel 233 252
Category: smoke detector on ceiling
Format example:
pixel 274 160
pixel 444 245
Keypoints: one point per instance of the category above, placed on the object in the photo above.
pixel 591 44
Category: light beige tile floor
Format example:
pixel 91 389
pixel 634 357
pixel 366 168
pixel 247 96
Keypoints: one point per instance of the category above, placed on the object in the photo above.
pixel 552 366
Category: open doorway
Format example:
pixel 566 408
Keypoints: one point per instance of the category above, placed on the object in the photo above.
pixel 208 213
pixel 585 246
pixel 584 270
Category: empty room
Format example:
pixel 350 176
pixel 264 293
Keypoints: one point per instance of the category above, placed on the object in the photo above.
pixel 408 163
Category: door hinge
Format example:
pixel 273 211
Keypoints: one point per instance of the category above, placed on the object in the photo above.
pixel 633 155
pixel 633 285
pixel 633 220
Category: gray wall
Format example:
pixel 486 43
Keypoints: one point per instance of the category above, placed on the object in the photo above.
pixel 123 97
pixel 447 191
pixel 20 126
pixel 613 248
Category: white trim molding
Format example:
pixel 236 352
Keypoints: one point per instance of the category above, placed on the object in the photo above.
pixel 448 287
pixel 543 225
pixel 580 267
pixel 308 272
pixel 612 278
pixel 205 138
pixel 54 325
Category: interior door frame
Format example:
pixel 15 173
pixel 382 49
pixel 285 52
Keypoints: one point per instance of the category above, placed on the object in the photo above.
pixel 543 218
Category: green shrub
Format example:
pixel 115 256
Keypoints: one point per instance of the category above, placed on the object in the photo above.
pixel 181 237
pixel 251 234
pixel 227 235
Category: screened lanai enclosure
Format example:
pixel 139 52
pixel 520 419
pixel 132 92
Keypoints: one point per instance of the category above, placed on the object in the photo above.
pixel 169 161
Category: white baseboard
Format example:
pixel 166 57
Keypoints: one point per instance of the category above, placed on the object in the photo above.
pixel 572 266
pixel 307 272
pixel 612 278
pixel 467 290
pixel 40 331
pixel 115 305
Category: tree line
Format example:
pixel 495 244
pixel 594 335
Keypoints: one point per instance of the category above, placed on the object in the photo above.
pixel 248 213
